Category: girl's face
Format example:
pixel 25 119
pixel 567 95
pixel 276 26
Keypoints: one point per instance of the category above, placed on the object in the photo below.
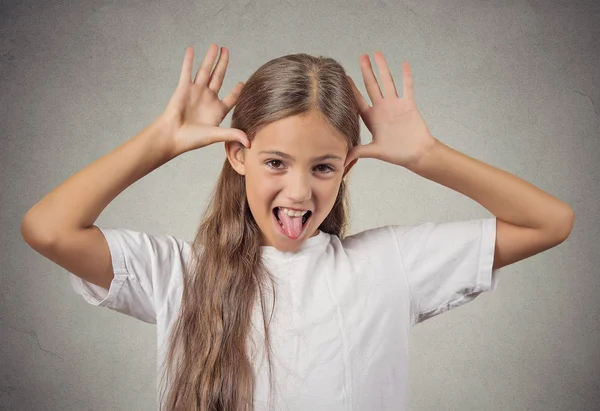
pixel 294 166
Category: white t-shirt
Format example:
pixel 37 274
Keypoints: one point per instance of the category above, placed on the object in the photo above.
pixel 344 309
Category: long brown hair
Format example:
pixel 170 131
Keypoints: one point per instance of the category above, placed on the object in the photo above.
pixel 207 366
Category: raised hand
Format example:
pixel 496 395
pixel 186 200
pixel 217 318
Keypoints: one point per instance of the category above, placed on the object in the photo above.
pixel 400 135
pixel 194 111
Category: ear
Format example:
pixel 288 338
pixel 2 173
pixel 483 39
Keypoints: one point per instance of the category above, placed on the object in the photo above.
pixel 236 154
pixel 348 167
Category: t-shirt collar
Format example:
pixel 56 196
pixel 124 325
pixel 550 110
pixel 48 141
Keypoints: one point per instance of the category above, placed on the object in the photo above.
pixel 318 240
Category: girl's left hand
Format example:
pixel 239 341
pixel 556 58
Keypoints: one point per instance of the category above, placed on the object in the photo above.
pixel 400 135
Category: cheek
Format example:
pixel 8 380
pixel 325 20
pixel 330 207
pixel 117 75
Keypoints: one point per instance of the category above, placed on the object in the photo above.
pixel 260 188
pixel 264 184
pixel 327 192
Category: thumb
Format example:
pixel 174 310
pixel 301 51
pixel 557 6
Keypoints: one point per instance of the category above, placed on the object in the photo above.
pixel 361 151
pixel 221 134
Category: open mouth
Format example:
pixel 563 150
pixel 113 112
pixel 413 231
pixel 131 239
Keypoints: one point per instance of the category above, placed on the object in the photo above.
pixel 305 217
pixel 291 227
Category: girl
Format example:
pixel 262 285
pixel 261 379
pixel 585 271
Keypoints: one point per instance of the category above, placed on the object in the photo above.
pixel 272 306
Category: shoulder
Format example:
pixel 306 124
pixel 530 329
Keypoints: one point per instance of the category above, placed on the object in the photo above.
pixel 152 248
pixel 377 239
pixel 370 235
pixel 399 236
pixel 157 262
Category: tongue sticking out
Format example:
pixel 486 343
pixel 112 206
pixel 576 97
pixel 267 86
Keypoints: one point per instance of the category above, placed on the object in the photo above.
pixel 292 226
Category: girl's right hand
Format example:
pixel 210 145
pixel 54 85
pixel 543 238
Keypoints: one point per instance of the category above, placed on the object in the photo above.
pixel 195 111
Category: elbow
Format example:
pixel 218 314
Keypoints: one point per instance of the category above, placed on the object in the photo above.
pixel 565 224
pixel 35 237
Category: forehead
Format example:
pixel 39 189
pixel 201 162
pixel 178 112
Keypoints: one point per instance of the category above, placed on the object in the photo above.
pixel 307 133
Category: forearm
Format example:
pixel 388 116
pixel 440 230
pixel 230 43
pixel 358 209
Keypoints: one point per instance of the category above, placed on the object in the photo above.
pixel 505 195
pixel 78 201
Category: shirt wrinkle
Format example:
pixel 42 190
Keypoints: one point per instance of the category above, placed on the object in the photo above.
pixel 347 372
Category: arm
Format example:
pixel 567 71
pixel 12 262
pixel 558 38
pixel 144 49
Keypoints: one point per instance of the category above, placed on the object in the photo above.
pixel 529 220
pixel 60 226
pixel 77 202
pixel 190 121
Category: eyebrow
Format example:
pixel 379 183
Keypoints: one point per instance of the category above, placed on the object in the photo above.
pixel 287 156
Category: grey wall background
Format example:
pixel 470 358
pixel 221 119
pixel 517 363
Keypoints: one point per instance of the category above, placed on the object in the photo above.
pixel 512 83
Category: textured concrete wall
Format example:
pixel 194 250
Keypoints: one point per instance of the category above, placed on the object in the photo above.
pixel 513 83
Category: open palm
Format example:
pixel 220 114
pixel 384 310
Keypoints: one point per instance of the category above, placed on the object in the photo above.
pixel 400 135
pixel 195 110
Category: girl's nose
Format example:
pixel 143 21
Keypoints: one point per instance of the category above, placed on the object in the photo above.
pixel 298 188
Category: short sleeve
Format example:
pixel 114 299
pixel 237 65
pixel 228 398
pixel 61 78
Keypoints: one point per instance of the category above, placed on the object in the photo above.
pixel 447 264
pixel 146 268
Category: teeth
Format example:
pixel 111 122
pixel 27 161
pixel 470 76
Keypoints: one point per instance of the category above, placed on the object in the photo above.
pixel 293 213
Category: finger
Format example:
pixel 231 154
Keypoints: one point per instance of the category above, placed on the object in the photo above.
pixel 203 73
pixel 348 166
pixel 407 81
pixel 220 134
pixel 363 105
pixel 216 78
pixel 361 151
pixel 369 78
pixel 239 135
pixel 231 99
pixel 389 88
pixel 353 155
pixel 186 68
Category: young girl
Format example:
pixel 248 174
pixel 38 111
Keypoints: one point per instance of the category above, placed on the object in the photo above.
pixel 271 306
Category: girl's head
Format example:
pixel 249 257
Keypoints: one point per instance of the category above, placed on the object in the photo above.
pixel 301 117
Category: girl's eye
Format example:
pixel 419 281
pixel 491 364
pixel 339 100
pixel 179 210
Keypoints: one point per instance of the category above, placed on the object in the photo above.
pixel 321 168
pixel 325 169
pixel 270 163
